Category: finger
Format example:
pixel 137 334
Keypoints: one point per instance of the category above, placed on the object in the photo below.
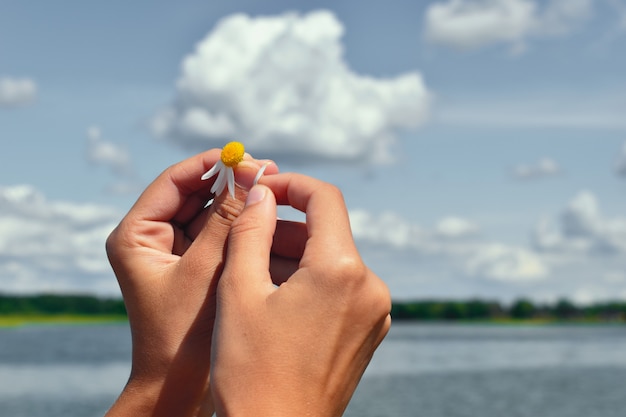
pixel 165 198
pixel 204 257
pixel 160 202
pixel 206 235
pixel 290 239
pixel 327 220
pixel 246 269
pixel 245 172
pixel 244 177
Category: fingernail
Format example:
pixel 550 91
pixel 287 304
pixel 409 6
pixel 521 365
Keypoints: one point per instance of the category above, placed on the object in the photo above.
pixel 244 174
pixel 256 194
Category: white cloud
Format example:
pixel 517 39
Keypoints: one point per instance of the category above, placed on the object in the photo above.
pixel 591 292
pixel 387 229
pixel 582 217
pixel 453 240
pixel 504 263
pixel 471 24
pixel 455 227
pixel 582 229
pixel 450 235
pixel 583 259
pixel 52 245
pixel 114 157
pixel 101 152
pixel 16 92
pixel 281 85
pixel 545 167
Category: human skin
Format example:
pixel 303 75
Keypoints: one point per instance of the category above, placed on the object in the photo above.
pixel 167 254
pixel 299 315
pixel 299 349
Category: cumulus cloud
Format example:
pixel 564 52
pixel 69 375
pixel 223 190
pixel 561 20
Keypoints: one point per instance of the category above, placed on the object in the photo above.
pixel 101 152
pixel 455 227
pixel 545 167
pixel 281 85
pixel 580 256
pixel 472 24
pixel 15 92
pixel 53 245
pixel 449 235
pixel 116 159
pixel 454 240
pixel 386 229
pixel 499 262
pixel 581 228
pixel 590 293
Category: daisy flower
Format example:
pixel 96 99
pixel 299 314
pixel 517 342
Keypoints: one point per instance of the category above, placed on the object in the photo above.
pixel 231 155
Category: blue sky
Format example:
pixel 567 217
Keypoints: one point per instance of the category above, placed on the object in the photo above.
pixel 479 144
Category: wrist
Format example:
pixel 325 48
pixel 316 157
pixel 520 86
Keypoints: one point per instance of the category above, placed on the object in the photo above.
pixel 268 402
pixel 174 394
pixel 139 398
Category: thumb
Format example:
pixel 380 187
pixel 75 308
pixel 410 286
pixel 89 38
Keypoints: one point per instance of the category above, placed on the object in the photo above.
pixel 250 243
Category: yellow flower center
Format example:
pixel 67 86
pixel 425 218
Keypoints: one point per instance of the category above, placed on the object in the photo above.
pixel 232 154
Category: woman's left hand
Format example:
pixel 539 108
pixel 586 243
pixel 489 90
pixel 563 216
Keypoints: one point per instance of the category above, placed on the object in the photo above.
pixel 167 254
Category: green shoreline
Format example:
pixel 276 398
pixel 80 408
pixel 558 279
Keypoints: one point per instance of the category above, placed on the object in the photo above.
pixel 19 320
pixel 16 310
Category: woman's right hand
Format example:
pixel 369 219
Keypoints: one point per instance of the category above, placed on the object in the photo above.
pixel 299 348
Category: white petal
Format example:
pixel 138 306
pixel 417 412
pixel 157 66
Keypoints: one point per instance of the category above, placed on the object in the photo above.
pixel 220 182
pixel 230 174
pixel 220 186
pixel 214 170
pixel 259 174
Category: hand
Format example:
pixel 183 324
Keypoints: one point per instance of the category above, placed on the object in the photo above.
pixel 300 348
pixel 167 254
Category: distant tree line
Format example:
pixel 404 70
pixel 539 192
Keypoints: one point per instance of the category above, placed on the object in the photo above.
pixel 59 304
pixel 435 310
pixel 521 309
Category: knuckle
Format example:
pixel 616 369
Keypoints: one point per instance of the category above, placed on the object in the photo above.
pixel 113 242
pixel 114 247
pixel 227 210
pixel 334 192
pixel 327 190
pixel 347 268
pixel 109 243
pixel 118 241
pixel 380 301
pixel 373 295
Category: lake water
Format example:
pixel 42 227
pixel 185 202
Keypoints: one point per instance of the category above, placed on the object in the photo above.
pixel 419 370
